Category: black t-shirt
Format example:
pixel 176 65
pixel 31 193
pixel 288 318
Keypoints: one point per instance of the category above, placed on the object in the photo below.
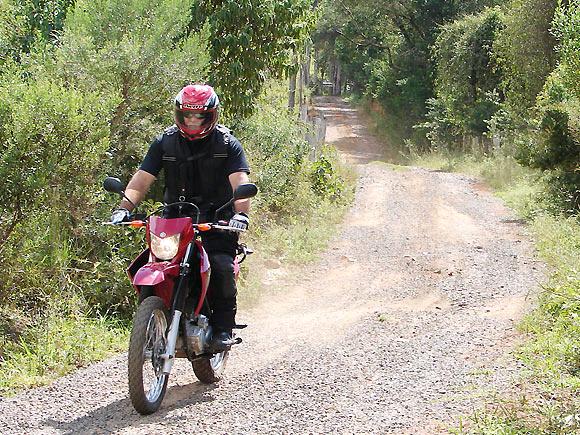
pixel 235 162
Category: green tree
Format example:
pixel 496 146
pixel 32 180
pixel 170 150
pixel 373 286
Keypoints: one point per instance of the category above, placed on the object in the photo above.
pixel 249 40
pixel 139 51
pixel 24 22
pixel 467 78
pixel 554 143
pixel 525 51
pixel 384 48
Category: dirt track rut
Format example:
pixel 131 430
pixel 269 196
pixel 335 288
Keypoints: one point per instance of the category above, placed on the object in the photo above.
pixel 404 324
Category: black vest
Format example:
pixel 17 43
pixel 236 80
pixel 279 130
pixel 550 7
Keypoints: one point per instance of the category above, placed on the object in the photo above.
pixel 196 171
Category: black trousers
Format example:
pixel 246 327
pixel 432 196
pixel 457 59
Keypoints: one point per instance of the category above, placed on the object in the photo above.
pixel 222 292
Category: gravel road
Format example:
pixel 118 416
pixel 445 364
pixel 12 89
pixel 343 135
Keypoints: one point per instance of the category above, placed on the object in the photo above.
pixel 404 324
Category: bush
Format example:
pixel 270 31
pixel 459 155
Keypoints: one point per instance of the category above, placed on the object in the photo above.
pixel 555 140
pixel 54 140
pixel 275 142
pixel 325 180
pixel 525 52
pixel 139 52
pixel 467 77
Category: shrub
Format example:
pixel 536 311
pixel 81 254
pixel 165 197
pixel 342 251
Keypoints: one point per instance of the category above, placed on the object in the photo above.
pixel 54 140
pixel 525 52
pixel 467 78
pixel 275 143
pixel 325 180
pixel 138 51
pixel 555 141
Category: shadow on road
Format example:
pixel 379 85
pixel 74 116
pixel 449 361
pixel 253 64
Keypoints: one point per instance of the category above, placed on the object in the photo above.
pixel 348 132
pixel 120 414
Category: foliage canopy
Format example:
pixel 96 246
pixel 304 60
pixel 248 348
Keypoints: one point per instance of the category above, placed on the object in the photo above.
pixel 248 41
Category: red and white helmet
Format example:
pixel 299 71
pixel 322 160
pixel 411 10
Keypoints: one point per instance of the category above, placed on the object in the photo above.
pixel 200 101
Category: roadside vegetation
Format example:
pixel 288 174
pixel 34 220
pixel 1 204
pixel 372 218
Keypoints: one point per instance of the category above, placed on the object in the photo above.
pixel 84 88
pixel 488 88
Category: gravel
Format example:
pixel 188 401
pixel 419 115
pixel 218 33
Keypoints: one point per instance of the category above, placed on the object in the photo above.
pixel 405 324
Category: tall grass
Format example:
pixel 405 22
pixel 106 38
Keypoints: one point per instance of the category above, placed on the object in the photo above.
pixel 55 345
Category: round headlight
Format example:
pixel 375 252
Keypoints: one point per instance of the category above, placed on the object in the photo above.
pixel 164 248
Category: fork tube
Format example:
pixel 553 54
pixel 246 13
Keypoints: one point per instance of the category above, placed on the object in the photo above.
pixel 169 355
pixel 182 281
pixel 177 309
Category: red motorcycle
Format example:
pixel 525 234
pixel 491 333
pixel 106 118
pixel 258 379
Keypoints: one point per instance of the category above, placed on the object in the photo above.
pixel 171 278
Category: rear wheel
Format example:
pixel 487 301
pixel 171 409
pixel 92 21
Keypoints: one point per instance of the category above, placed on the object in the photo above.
pixel 210 370
pixel 147 383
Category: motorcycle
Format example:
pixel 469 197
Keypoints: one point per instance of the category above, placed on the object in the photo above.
pixel 171 278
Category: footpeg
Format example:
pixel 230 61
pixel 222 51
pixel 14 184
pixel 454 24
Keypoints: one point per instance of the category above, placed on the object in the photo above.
pixel 236 340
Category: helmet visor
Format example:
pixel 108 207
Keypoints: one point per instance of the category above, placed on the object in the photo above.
pixel 182 115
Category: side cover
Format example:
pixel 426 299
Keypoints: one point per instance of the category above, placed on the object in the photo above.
pixel 204 270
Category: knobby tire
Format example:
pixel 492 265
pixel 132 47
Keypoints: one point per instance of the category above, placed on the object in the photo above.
pixel 137 359
pixel 208 373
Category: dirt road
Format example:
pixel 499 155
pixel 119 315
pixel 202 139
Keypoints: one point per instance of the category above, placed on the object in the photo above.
pixel 405 323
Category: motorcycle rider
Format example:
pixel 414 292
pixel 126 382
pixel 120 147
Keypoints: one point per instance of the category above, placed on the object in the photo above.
pixel 203 163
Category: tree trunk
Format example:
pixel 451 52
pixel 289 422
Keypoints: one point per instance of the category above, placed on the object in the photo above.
pixel 292 91
pixel 301 87
pixel 337 78
pixel 315 72
pixel 307 62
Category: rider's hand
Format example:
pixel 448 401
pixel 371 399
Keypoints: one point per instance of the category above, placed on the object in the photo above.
pixel 120 215
pixel 240 220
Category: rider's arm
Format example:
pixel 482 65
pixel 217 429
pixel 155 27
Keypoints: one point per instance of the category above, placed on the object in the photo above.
pixel 237 178
pixel 137 188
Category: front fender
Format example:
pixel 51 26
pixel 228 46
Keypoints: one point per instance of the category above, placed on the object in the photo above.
pixel 155 273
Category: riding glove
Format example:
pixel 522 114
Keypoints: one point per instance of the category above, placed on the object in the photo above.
pixel 120 215
pixel 240 220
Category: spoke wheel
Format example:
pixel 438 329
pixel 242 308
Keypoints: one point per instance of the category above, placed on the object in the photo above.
pixel 147 383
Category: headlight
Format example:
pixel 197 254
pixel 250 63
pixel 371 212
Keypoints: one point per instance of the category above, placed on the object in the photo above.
pixel 164 248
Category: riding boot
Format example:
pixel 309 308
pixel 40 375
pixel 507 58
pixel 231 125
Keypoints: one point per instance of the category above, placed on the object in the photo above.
pixel 221 340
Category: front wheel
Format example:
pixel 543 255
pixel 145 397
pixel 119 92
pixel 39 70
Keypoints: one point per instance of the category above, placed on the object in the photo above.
pixel 210 370
pixel 147 382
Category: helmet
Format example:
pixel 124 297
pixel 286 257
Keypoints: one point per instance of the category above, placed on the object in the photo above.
pixel 196 111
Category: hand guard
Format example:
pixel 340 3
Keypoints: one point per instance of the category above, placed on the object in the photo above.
pixel 240 220
pixel 120 215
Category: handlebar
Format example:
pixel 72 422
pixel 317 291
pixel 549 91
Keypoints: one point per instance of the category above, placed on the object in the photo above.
pixel 201 227
pixel 223 228
pixel 120 223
